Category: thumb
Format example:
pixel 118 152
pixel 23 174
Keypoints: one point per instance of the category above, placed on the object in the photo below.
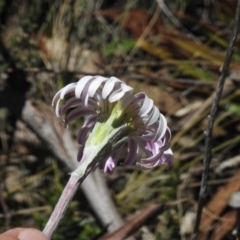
pixel 31 234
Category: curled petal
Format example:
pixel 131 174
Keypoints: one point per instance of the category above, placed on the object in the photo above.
pixel 62 92
pixel 79 112
pixel 57 108
pixel 155 114
pixel 133 150
pixel 95 84
pixel 165 158
pixel 81 85
pixel 146 106
pixel 83 132
pixel 153 159
pixel 168 157
pixel 119 93
pixel 145 166
pixel 139 96
pixel 162 126
pixel 108 165
pixel 80 153
pixel 82 135
pixel 110 85
pixel 70 103
pixel 69 88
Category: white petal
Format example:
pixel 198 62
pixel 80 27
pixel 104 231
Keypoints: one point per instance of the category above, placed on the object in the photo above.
pixel 62 92
pixel 81 85
pixel 109 86
pixel 95 84
pixel 56 96
pixel 168 157
pixel 155 114
pixel 57 108
pixel 166 140
pixel 69 88
pixel 146 107
pixel 118 94
pixel 85 93
pixel 162 127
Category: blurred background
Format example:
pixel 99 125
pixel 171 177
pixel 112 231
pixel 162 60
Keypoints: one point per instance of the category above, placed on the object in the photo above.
pixel 172 50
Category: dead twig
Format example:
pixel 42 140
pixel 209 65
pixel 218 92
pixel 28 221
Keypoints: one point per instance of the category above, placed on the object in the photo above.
pixel 208 132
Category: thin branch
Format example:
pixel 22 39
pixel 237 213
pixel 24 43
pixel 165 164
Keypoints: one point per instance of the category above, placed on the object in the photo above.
pixel 208 132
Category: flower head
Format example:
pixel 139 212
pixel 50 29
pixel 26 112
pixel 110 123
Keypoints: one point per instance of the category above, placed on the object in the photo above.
pixel 113 117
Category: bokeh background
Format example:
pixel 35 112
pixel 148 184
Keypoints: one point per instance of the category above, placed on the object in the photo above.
pixel 172 50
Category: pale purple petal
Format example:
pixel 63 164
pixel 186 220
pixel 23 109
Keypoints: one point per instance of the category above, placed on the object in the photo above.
pixel 144 166
pixel 133 149
pixel 153 158
pixel 84 130
pixel 82 135
pixel 72 102
pixel 80 153
pixel 110 163
pixel 139 96
pixel 78 113
pixel 168 157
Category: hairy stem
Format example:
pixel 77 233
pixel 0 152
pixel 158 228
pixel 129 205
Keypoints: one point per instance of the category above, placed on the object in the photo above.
pixel 87 164
pixel 62 204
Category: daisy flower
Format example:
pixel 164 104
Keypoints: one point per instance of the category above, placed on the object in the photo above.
pixel 113 117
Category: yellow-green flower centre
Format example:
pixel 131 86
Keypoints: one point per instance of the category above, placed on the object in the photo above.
pixel 110 125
